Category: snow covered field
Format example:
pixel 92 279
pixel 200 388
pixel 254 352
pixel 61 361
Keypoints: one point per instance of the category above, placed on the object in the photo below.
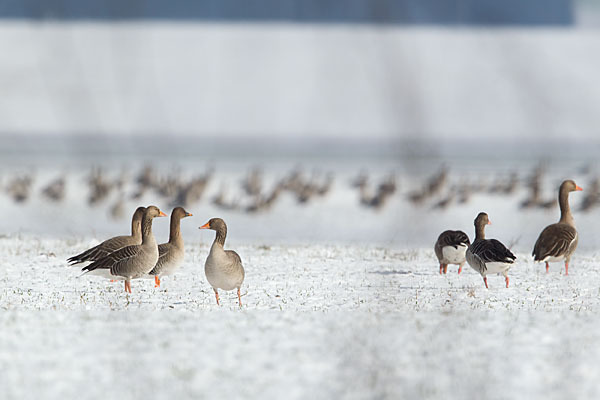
pixel 340 301
pixel 319 321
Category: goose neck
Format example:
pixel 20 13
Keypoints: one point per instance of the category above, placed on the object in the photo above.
pixel 147 235
pixel 565 209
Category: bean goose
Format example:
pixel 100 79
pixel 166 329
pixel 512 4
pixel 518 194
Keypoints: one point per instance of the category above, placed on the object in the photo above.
pixel 488 256
pixel 170 254
pixel 115 243
pixel 557 242
pixel 450 248
pixel 223 268
pixel 135 261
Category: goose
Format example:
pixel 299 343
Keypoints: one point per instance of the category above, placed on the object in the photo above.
pixel 223 268
pixel 450 248
pixel 55 190
pixel 115 243
pixel 488 256
pixel 170 254
pixel 557 242
pixel 134 261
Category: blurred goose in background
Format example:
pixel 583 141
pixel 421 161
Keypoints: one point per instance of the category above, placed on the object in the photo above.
pixel 117 210
pixel 193 191
pixel 265 202
pixel 535 185
pixel 450 248
pixel 447 200
pixel 463 192
pixel 145 180
pixel 253 182
pixel 221 199
pixel 488 256
pixel 115 243
pixel 270 199
pixel 99 186
pixel 557 242
pixel 170 254
pixel 55 190
pixel 592 197
pixel 437 182
pixel 434 185
pixel 134 261
pixel 19 188
pixel 325 187
pixel 511 185
pixel 223 268
pixel 170 186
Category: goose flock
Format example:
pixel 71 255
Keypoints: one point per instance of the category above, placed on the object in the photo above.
pixel 139 255
pixel 556 243
pixel 255 194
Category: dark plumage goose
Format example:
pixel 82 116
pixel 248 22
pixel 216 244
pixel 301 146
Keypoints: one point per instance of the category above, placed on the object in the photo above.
pixel 450 248
pixel 115 243
pixel 488 256
pixel 135 261
pixel 557 242
pixel 170 254
pixel 223 268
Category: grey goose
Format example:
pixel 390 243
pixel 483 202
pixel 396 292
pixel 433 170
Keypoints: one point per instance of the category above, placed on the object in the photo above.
pixel 134 261
pixel 488 256
pixel 557 242
pixel 223 268
pixel 450 248
pixel 115 243
pixel 170 254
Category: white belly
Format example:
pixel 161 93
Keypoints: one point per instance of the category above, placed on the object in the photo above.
pixel 451 255
pixel 553 259
pixel 105 273
pixel 497 267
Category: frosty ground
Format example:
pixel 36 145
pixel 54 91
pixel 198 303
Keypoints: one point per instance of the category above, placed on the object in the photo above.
pixel 318 321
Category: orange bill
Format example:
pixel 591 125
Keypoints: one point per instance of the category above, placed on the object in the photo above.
pixel 205 226
pixel 162 214
pixel 578 188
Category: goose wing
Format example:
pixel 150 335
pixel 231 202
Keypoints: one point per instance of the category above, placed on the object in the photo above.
pixel 492 250
pixel 454 239
pixel 115 260
pixel 554 241
pixel 102 250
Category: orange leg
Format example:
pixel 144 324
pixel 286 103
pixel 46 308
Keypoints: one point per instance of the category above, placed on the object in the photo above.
pixel 485 281
pixel 217 296
pixel 547 267
pixel 441 268
pixel 239 298
pixel 445 268
pixel 506 279
pixel 566 268
pixel 156 281
pixel 128 286
pixel 460 268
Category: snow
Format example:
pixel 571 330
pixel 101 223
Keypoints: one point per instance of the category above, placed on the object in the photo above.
pixel 340 301
pixel 318 321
